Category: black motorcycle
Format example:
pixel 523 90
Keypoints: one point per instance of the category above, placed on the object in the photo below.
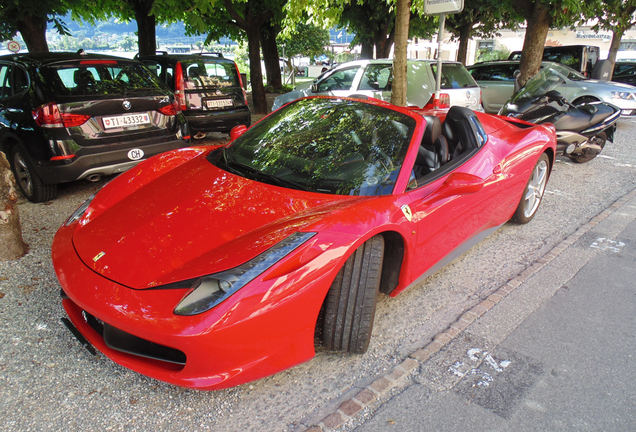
pixel 582 130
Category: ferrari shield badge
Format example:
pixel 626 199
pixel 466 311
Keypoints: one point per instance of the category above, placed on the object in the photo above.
pixel 98 256
pixel 407 212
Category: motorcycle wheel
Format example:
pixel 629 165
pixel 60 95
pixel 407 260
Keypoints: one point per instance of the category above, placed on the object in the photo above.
pixel 588 154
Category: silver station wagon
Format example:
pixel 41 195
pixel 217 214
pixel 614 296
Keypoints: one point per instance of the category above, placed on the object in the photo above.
pixel 497 85
pixel 373 78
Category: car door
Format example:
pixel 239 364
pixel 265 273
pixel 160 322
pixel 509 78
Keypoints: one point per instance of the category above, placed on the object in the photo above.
pixel 497 85
pixel 15 110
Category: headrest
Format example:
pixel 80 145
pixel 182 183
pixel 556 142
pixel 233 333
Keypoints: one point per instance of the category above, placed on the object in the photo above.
pixel 433 129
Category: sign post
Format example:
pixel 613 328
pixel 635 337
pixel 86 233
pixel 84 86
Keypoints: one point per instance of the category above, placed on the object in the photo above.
pixel 441 8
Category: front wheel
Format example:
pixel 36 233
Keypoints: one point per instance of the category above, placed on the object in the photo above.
pixel 589 154
pixel 533 193
pixel 349 309
pixel 31 185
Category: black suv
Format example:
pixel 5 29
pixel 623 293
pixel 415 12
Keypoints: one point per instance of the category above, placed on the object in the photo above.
pixel 66 116
pixel 208 88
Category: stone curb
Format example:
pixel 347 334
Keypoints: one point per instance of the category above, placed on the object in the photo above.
pixel 397 377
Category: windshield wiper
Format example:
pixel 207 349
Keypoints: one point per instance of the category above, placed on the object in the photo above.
pixel 256 174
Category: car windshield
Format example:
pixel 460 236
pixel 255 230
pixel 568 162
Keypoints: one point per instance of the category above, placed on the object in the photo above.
pixel 454 76
pixel 98 77
pixel 324 145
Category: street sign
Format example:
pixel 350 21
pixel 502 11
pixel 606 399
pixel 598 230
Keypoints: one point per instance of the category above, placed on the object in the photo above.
pixel 437 7
pixel 13 46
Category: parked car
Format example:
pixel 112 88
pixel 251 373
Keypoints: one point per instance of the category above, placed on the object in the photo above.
pixel 496 80
pixel 625 72
pixel 373 78
pixel 581 58
pixel 213 266
pixel 207 86
pixel 65 117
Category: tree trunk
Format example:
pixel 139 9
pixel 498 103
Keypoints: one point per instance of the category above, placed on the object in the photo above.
pixel 366 51
pixel 402 17
pixel 33 31
pixel 146 23
pixel 384 42
pixel 464 37
pixel 259 100
pixel 539 21
pixel 270 56
pixel 617 35
pixel 12 246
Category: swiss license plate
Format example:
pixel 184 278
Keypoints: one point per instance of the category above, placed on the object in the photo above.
pixel 219 103
pixel 126 120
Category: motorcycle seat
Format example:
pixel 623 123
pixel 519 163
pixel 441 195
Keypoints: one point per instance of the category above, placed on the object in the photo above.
pixel 578 119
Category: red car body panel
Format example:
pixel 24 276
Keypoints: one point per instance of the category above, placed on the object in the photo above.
pixel 176 216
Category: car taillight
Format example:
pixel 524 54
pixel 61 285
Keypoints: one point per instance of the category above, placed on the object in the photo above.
pixel 49 116
pixel 444 100
pixel 170 110
pixel 179 87
pixel 241 84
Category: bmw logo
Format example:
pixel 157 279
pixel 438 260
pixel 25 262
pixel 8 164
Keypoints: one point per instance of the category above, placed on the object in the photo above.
pixel 127 105
pixel 467 94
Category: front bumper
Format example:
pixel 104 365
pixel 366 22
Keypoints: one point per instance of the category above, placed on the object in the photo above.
pixel 255 333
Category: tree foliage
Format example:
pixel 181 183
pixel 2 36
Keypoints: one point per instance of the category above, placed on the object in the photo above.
pixel 30 18
pixel 616 16
pixel 481 18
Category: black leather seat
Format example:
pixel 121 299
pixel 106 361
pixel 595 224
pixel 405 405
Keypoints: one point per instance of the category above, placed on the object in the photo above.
pixel 462 130
pixel 433 150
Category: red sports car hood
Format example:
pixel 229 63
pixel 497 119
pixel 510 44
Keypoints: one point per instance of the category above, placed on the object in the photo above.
pixel 189 220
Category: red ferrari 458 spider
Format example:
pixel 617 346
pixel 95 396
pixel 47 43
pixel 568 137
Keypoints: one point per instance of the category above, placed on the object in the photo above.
pixel 209 267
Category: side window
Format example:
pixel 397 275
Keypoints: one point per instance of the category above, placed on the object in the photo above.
pixel 170 77
pixel 153 66
pixel 20 80
pixel 376 77
pixel 5 89
pixel 340 80
pixel 480 73
pixel 501 73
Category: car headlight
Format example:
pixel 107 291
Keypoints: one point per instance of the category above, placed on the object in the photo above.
pixel 622 95
pixel 213 289
pixel 77 214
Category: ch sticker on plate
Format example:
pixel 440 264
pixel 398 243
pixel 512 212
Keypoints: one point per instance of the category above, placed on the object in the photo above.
pixel 135 154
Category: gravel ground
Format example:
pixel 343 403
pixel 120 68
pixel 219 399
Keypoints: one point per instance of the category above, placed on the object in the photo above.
pixel 49 382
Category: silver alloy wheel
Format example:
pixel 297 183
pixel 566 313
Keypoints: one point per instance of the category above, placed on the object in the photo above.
pixel 535 189
pixel 23 174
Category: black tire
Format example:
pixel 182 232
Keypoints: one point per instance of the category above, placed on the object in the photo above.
pixel 533 192
pixel 31 185
pixel 349 309
pixel 600 139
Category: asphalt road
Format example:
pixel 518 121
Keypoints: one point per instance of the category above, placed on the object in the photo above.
pixel 48 382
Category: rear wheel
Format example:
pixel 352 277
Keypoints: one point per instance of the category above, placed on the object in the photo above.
pixel 31 185
pixel 349 308
pixel 533 193
pixel 589 154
